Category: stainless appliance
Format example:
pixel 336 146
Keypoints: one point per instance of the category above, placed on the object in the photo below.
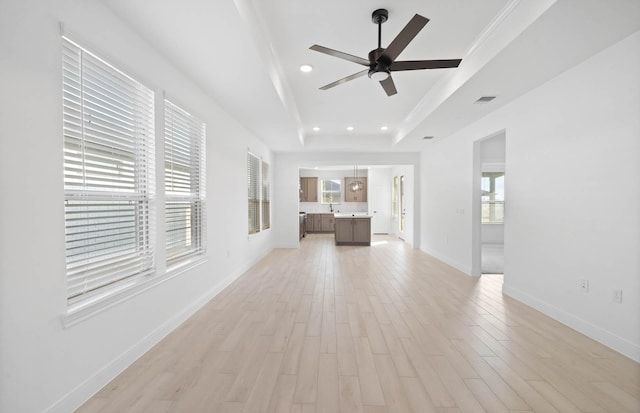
pixel 303 224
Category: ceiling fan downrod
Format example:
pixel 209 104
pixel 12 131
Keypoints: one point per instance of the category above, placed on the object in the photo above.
pixel 379 70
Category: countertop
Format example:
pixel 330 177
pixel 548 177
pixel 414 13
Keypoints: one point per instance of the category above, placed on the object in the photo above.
pixel 353 215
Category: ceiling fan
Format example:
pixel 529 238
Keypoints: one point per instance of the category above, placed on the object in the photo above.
pixel 382 61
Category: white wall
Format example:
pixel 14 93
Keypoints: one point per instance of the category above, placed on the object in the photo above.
pixel 44 366
pixel 286 178
pixel 573 162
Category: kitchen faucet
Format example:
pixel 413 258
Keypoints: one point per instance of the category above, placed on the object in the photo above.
pixel 330 207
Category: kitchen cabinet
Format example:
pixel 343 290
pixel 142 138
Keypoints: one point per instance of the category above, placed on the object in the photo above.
pixel 327 223
pixel 308 189
pixel 320 223
pixel 309 223
pixel 358 196
pixel 353 231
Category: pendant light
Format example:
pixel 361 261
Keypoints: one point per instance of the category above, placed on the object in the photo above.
pixel 356 185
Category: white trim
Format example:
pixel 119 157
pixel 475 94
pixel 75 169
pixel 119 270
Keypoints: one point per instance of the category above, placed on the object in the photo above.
pixel 593 331
pixel 93 384
pixel 491 27
pixel 449 261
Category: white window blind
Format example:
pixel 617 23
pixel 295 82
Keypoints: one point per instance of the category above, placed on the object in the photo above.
pixel 253 187
pixel 108 175
pixel 266 194
pixel 184 175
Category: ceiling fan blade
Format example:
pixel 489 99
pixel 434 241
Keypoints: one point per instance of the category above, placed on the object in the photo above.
pixel 389 86
pixel 345 79
pixel 405 36
pixel 424 64
pixel 341 55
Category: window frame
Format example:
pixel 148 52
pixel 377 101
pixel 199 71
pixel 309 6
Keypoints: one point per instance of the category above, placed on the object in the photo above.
pixel 253 193
pixel 489 200
pixel 395 197
pixel 265 208
pixel 185 183
pixel 109 178
pixel 338 191
pixel 258 195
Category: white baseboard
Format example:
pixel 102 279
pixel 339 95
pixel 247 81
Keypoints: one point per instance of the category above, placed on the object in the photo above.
pixel 449 261
pixel 288 245
pixel 593 331
pixel 91 386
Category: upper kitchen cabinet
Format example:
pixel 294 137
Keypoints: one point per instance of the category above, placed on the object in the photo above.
pixel 355 196
pixel 308 189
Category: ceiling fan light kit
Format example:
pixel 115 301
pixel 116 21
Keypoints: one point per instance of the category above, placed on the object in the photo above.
pixel 382 61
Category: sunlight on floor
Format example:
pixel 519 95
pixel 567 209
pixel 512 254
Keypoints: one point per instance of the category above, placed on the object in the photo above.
pixel 374 243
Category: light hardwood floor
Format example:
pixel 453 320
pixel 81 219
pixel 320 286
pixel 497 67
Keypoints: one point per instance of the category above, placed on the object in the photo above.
pixel 370 329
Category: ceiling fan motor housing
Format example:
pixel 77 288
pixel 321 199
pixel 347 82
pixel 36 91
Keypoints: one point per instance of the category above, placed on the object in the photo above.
pixel 379 68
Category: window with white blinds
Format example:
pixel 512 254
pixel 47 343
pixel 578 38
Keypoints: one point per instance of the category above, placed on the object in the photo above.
pixel 253 187
pixel 266 212
pixel 108 123
pixel 184 182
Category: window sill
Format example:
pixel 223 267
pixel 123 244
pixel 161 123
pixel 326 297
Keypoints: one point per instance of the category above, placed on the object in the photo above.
pixel 86 309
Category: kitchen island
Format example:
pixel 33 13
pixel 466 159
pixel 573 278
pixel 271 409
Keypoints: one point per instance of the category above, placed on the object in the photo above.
pixel 353 229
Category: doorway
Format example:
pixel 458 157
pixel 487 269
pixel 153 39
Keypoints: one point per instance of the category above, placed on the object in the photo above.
pixel 489 178
pixel 403 217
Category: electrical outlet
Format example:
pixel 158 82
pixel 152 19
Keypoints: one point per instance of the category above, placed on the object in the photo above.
pixel 617 296
pixel 584 286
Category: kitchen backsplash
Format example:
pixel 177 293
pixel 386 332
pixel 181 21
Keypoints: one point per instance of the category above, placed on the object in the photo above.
pixel 311 207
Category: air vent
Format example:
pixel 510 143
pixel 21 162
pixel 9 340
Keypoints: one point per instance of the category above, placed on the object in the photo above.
pixel 485 99
pixel 427 137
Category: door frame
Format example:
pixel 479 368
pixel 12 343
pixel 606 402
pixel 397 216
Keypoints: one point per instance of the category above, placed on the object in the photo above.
pixel 476 204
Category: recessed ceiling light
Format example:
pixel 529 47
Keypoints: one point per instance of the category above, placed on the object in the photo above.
pixel 384 128
pixel 316 129
pixel 349 128
pixel 306 68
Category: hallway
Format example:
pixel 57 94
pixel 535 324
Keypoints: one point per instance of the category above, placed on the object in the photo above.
pixel 372 329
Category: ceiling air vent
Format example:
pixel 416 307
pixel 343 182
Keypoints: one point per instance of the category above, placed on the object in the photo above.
pixel 427 137
pixel 485 99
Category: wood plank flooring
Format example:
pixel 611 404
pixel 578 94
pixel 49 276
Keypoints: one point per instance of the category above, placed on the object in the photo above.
pixel 370 329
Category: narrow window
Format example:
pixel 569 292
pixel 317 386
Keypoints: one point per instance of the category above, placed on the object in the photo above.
pixel 394 201
pixel 492 197
pixel 253 188
pixel 402 208
pixel 184 182
pixel 266 195
pixel 108 176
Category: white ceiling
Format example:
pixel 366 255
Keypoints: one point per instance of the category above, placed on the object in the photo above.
pixel 246 54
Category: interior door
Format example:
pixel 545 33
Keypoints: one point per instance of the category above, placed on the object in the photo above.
pixel 381 209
